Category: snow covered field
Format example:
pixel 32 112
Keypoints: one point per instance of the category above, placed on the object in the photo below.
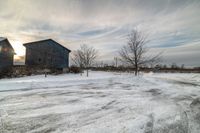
pixel 102 103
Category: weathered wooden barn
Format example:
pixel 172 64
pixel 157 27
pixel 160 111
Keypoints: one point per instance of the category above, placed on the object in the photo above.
pixel 47 53
pixel 6 54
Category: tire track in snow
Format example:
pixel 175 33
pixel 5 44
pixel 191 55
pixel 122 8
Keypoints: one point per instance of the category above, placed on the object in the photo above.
pixel 149 125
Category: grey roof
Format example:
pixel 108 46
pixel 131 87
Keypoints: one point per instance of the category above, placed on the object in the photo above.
pixel 36 42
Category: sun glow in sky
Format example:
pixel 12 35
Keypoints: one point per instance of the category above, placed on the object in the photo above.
pixel 18 47
pixel 19 56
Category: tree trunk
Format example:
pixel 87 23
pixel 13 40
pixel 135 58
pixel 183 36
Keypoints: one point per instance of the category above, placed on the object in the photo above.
pixel 87 73
pixel 136 70
pixel 81 71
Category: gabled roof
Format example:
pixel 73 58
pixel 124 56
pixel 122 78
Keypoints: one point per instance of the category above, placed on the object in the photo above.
pixel 46 40
pixel 2 39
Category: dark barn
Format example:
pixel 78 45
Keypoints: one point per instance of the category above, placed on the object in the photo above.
pixel 6 54
pixel 47 53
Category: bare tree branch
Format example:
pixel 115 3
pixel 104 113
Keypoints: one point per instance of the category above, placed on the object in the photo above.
pixel 134 52
pixel 85 56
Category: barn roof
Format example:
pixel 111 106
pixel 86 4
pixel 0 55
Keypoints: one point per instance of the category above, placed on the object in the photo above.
pixel 3 39
pixel 47 40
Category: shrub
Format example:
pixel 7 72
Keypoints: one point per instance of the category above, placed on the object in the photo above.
pixel 74 69
pixel 6 72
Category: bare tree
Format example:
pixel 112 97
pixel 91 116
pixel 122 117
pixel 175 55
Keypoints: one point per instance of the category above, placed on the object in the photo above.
pixel 134 53
pixel 85 57
pixel 77 59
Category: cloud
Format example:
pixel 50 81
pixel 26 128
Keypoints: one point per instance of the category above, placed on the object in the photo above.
pixel 187 54
pixel 103 24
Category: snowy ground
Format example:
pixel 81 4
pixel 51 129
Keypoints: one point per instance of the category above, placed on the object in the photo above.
pixel 102 103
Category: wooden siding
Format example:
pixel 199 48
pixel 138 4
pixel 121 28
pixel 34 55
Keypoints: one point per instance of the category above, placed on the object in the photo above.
pixel 47 54
pixel 6 54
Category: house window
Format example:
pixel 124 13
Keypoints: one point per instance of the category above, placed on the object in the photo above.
pixel 39 60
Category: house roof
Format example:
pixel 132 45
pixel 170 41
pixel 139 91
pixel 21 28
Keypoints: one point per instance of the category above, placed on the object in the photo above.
pixel 2 39
pixel 46 40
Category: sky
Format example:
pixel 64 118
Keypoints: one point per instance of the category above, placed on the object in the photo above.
pixel 173 26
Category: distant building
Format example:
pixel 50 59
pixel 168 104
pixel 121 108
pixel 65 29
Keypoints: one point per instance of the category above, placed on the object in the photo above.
pixel 6 54
pixel 47 53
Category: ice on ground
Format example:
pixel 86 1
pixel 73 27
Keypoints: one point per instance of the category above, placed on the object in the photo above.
pixel 105 102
